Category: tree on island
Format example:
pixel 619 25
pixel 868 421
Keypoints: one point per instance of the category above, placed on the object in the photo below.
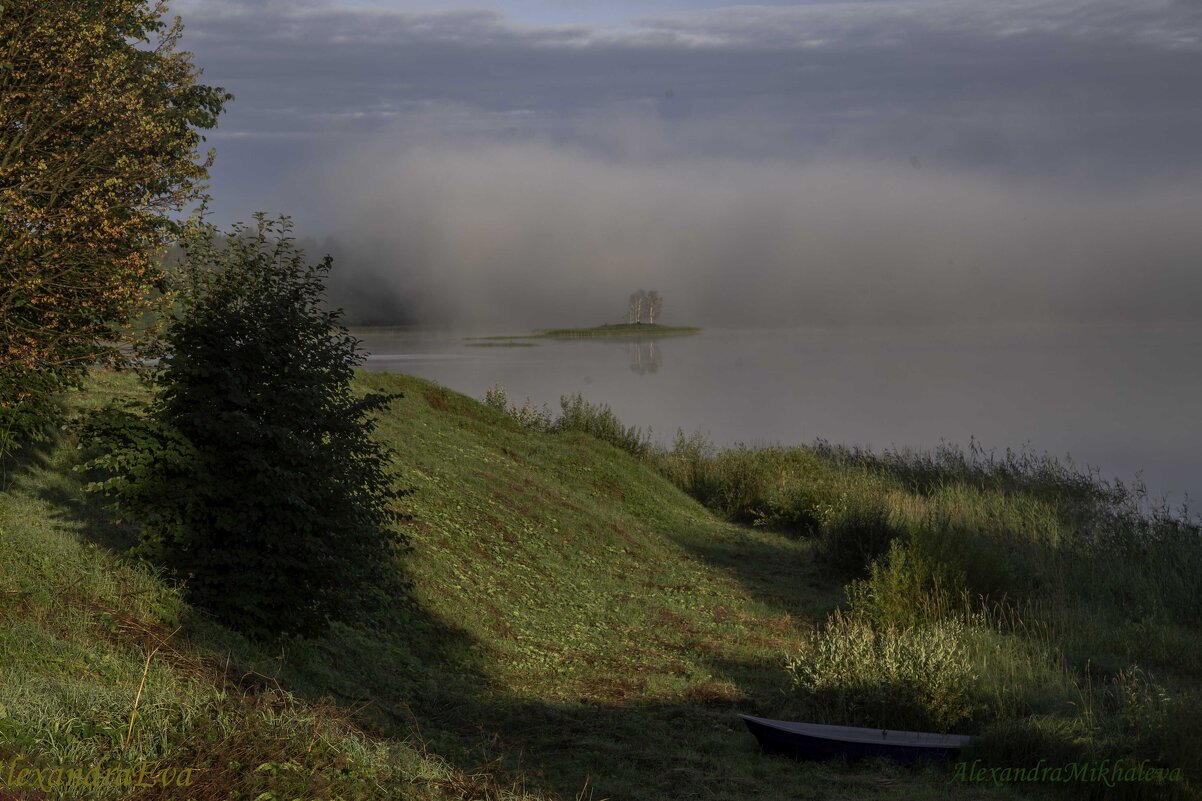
pixel 655 304
pixel 651 301
pixel 634 312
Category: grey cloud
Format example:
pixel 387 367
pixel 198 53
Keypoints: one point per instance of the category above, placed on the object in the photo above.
pixel 1168 24
pixel 1106 87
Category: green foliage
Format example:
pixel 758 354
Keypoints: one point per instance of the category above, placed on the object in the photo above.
pixel 850 672
pixel 1002 595
pixel 528 416
pixel 254 476
pixel 857 530
pixel 577 414
pixel 905 588
pixel 791 490
pixel 577 616
pixel 99 141
pixel 599 420
pixel 689 464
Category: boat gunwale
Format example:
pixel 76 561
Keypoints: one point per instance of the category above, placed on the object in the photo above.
pixel 863 736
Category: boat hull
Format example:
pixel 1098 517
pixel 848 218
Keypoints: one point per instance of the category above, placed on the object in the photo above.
pixel 817 742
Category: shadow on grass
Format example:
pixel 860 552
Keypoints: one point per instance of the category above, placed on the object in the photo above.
pixel 89 513
pixel 417 674
pixel 657 748
pixel 781 572
pixel 435 680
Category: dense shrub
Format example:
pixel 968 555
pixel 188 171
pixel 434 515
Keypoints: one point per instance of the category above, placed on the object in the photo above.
pixel 851 673
pixel 790 490
pixel 905 588
pixel 253 475
pixel 857 530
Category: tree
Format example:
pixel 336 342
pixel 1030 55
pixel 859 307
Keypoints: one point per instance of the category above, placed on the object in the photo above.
pixel 635 312
pixel 655 304
pixel 254 475
pixel 652 301
pixel 99 136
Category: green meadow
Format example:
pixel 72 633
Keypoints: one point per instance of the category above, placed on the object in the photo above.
pixel 590 614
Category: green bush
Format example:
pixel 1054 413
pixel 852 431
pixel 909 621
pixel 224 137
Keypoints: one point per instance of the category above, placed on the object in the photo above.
pixel 600 421
pixel 790 490
pixel 528 416
pixel 857 530
pixel 1130 720
pixel 253 475
pixel 690 466
pixel 905 588
pixel 919 677
pixel 595 419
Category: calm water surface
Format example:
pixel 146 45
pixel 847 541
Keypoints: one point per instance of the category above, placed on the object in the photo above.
pixel 1123 399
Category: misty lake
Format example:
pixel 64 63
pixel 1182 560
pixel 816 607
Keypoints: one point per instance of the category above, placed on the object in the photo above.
pixel 1121 398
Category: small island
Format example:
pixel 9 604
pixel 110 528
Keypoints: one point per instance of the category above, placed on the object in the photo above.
pixel 633 330
pixel 642 301
pixel 500 342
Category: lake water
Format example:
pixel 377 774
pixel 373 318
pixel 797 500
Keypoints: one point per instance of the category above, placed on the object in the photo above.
pixel 1122 398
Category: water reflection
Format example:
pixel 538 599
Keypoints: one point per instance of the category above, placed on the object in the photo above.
pixel 644 356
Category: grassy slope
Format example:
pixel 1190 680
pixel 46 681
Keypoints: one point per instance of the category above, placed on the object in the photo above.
pixel 580 623
pixel 77 624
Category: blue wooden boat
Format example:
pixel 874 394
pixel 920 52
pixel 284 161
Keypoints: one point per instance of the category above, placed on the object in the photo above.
pixel 818 741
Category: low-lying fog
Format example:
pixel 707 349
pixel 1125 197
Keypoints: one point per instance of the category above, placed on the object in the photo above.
pixel 542 234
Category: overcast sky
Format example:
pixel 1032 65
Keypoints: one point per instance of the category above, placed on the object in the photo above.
pixel 989 149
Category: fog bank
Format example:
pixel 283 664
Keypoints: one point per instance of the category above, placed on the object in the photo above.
pixel 536 233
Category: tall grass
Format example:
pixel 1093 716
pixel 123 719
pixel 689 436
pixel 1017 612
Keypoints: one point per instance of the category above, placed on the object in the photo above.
pixel 576 414
pixel 788 489
pixel 1014 596
pixel 918 677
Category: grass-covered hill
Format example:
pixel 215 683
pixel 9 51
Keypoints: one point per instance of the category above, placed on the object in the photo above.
pixel 580 627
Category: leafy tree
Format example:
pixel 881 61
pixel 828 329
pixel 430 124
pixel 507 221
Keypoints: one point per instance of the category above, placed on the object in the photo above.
pixel 634 312
pixel 655 304
pixel 642 300
pixel 99 135
pixel 255 476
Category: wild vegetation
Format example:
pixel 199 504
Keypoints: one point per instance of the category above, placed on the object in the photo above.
pixel 1012 596
pixel 578 628
pixel 99 137
pixel 576 414
pixel 587 612
pixel 253 476
pixel 575 618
